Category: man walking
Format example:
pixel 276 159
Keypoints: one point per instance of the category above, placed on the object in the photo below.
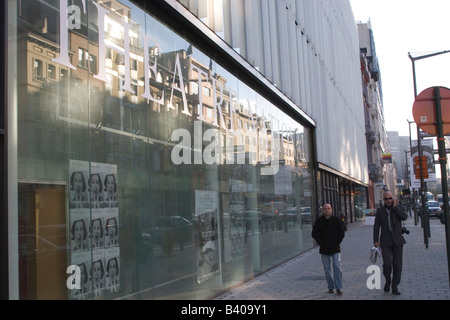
pixel 328 233
pixel 389 219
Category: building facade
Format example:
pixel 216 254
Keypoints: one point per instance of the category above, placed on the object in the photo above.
pixel 172 149
pixel 382 170
pixel 400 146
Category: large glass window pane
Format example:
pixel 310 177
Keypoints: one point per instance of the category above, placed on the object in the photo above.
pixel 147 167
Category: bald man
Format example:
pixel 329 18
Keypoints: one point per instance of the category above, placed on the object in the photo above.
pixel 328 233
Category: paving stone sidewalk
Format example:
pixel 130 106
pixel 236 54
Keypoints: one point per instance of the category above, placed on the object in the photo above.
pixel 424 276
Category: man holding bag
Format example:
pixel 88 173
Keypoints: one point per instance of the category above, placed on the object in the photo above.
pixel 389 219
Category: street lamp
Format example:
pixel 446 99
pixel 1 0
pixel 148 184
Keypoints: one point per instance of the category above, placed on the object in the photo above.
pixel 414 59
pixel 408 183
pixel 423 185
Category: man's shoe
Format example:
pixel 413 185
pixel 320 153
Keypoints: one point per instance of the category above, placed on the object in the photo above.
pixel 330 291
pixel 339 292
pixel 387 287
pixel 395 291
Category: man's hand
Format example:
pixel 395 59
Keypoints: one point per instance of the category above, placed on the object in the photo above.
pixel 376 244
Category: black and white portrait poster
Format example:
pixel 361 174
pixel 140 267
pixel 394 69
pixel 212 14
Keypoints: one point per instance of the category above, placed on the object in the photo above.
pixel 206 219
pixel 83 261
pixel 78 185
pixel 94 227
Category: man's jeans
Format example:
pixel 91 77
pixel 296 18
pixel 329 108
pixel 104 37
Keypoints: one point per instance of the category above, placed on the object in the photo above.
pixel 337 270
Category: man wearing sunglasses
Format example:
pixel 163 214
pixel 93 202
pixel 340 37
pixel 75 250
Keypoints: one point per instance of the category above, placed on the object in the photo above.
pixel 389 219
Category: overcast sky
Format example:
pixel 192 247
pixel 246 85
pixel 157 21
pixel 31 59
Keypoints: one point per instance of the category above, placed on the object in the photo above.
pixel 400 27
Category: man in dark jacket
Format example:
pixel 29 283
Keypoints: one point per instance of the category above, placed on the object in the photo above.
pixel 328 233
pixel 389 219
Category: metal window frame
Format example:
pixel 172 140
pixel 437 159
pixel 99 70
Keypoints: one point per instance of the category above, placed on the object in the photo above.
pixel 4 270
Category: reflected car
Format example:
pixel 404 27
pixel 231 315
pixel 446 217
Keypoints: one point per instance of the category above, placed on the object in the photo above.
pixel 292 211
pixel 177 228
pixel 273 209
pixel 305 213
pixel 292 214
pixel 433 208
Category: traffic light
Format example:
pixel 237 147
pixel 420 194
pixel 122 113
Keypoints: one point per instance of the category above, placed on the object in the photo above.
pixel 417 161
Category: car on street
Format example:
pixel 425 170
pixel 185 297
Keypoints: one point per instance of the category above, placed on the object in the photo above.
pixel 433 208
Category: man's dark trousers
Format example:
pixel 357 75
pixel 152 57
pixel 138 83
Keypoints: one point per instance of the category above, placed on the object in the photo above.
pixel 392 259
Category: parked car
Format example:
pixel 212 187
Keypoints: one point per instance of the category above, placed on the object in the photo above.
pixel 168 230
pixel 306 215
pixel 433 208
pixel 272 209
pixel 292 214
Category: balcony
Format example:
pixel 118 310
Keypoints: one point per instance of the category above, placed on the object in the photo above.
pixel 371 137
pixel 375 173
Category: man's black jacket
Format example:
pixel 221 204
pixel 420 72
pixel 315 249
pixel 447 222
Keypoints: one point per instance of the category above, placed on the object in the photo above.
pixel 388 238
pixel 329 234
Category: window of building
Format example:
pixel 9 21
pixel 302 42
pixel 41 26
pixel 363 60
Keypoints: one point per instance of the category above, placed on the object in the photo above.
pixel 206 91
pixel 164 203
pixel 87 60
pixel 51 72
pixel 37 69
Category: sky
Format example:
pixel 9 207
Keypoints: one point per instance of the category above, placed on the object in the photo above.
pixel 401 27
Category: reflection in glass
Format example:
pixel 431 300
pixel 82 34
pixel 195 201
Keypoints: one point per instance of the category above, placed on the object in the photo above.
pixel 215 181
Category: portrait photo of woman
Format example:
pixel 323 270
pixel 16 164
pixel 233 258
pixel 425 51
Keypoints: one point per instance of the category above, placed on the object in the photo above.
pixel 112 273
pixel 110 199
pixel 79 235
pixel 96 189
pixel 78 197
pixel 97 234
pixel 98 278
pixel 112 232
pixel 83 293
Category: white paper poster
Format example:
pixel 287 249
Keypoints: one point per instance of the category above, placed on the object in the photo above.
pixel 94 227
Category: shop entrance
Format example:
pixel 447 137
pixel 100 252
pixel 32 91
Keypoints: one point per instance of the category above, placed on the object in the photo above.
pixel 42 242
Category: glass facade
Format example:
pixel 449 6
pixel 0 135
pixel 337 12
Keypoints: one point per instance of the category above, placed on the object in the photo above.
pixel 145 169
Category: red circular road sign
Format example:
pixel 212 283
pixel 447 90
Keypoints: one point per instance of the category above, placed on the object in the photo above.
pixel 424 111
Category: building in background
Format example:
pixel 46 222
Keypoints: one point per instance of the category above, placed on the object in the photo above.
pixel 400 146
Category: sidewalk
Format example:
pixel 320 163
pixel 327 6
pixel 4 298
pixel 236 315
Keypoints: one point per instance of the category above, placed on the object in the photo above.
pixel 424 276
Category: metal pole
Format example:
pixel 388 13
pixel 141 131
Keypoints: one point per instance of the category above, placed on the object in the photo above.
pixel 413 193
pixel 423 184
pixel 443 163
pixel 408 183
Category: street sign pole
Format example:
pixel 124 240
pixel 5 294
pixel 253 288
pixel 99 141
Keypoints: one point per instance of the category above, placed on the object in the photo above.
pixel 443 163
pixel 425 220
